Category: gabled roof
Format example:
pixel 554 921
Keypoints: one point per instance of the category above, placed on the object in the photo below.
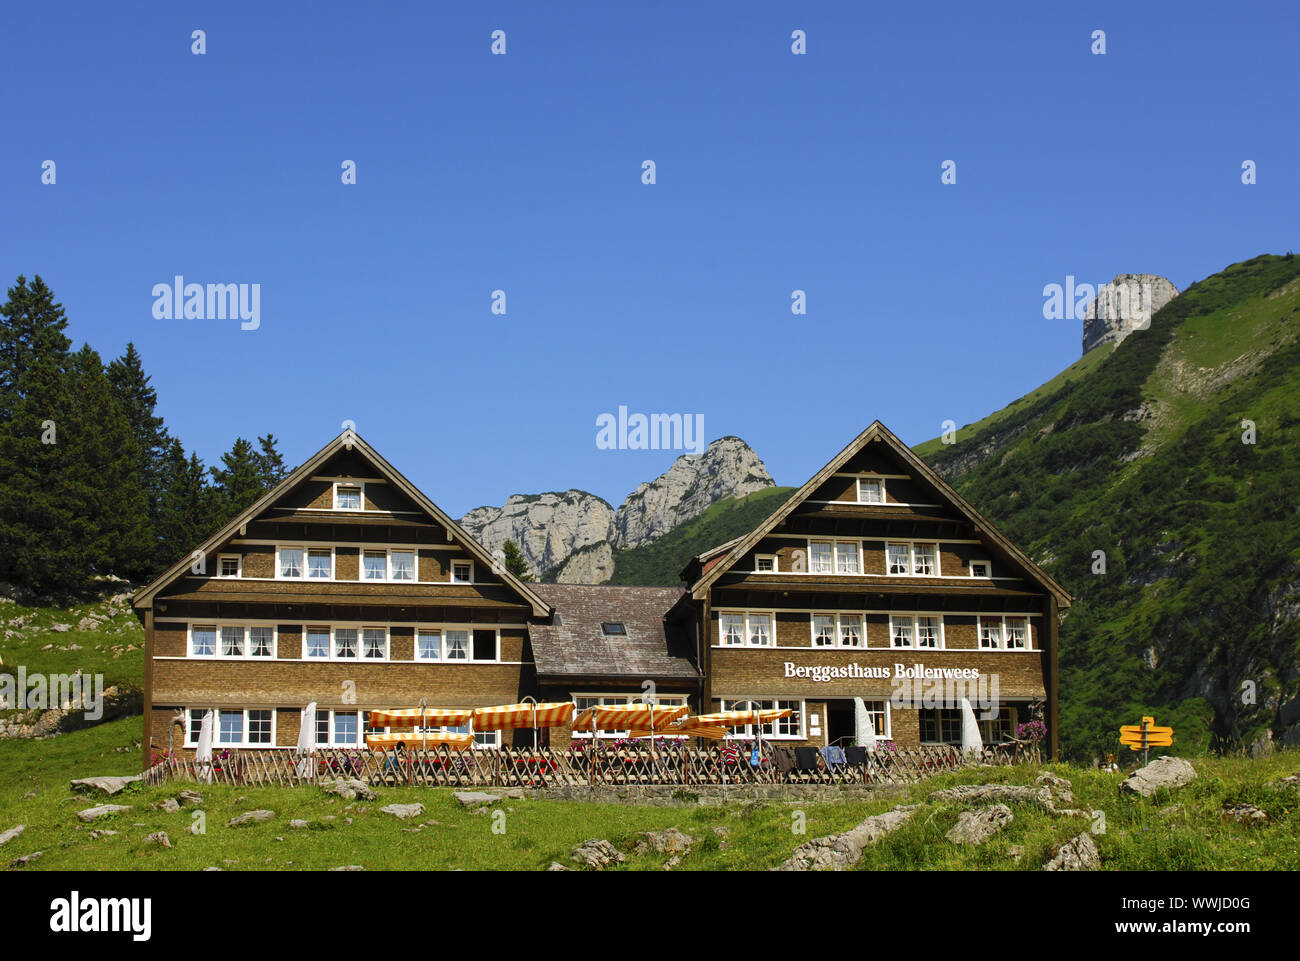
pixel 574 644
pixel 877 432
pixel 350 441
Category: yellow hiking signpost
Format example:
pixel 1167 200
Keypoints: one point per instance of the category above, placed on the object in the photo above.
pixel 1144 736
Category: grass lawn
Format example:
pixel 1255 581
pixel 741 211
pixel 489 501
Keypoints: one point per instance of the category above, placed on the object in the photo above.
pixel 1138 834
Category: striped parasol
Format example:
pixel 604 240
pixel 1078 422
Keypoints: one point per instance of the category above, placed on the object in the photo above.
pixel 382 742
pixel 618 717
pixel 508 717
pixel 679 729
pixel 739 718
pixel 420 717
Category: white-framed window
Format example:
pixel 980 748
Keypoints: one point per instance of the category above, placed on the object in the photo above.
pixel 428 645
pixel 290 563
pixel 915 558
pixel 316 643
pixel 998 633
pixel 837 630
pixel 231 641
pixel 457 641
pixel 981 569
pixel 229 565
pixel 584 701
pixel 765 563
pixel 339 728
pixel 871 490
pixel 320 564
pixel 401 565
pixel 374 643
pixel 746 628
pixel 349 496
pixel 878 712
pixel 846 557
pixel 230 728
pixel 462 572
pixel 345 643
pixel 821 556
pixel 374 565
pixel 920 631
pixel 940 725
pixel 787 728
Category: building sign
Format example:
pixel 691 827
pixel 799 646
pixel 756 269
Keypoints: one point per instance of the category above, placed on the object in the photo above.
pixel 900 672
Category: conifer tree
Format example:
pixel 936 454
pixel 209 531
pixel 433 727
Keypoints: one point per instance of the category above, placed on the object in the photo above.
pixel 188 510
pixel 34 414
pixel 138 400
pixel 515 561
pixel 270 462
pixel 239 482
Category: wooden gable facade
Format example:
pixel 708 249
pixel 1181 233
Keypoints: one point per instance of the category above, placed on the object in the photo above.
pixel 876 580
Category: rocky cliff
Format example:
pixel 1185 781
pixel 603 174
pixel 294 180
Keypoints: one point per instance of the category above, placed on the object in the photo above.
pixel 570 536
pixel 1124 305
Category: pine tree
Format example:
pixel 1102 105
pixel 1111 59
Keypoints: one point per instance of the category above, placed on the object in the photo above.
pixel 35 523
pixel 188 509
pixel 240 482
pixel 270 462
pixel 138 400
pixel 515 561
pixel 101 481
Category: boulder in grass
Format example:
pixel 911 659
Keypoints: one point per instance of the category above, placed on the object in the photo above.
pixel 404 811
pixel 250 817
pixel 350 789
pixel 976 827
pixel 475 798
pixel 1077 854
pixel 160 838
pixel 1245 814
pixel 596 853
pixel 110 785
pixel 1163 772
pixel 190 798
pixel 102 810
pixel 12 833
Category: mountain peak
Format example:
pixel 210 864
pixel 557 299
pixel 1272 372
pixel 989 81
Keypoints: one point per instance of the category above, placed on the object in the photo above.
pixel 1124 305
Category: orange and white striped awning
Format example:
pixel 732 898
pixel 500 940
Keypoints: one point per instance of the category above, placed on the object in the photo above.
pixel 685 730
pixel 620 717
pixel 419 717
pixel 508 717
pixel 382 742
pixel 737 718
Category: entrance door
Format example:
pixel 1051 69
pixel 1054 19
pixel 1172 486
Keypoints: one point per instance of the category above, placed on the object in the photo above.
pixel 839 723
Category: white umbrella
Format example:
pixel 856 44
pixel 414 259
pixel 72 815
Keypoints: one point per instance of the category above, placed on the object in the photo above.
pixel 307 741
pixel 864 732
pixel 203 754
pixel 970 729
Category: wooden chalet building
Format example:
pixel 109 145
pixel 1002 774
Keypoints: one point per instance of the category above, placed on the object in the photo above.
pixel 347 586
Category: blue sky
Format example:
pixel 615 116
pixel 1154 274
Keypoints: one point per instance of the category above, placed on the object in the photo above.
pixel 522 173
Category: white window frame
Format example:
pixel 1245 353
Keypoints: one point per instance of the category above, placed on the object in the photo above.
pixel 747 629
pixel 914 636
pixel 888 733
pixel 279 550
pixel 871 480
pixel 837 630
pixel 359 485
pixel 194 717
pixel 331 740
pixel 988 566
pixel 359 627
pixel 770 731
pixel 306 564
pixel 451 572
pixel 911 558
pixel 239 565
pixel 217 625
pixel 1004 635
pixel 436 631
pixel 617 700
pixel 765 557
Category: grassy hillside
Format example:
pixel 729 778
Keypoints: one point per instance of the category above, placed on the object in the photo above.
pixel 1197 616
pixel 660 562
pixel 1183 830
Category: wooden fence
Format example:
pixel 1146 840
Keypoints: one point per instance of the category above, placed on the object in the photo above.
pixel 671 764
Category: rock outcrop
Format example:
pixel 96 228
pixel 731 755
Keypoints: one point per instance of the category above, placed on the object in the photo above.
pixel 571 536
pixel 1164 772
pixel 548 528
pixel 727 468
pixel 1122 306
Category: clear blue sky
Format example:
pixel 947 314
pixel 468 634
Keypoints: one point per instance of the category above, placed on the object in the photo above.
pixel 522 172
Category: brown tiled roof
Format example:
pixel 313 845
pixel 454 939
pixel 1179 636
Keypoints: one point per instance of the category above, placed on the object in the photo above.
pixel 573 642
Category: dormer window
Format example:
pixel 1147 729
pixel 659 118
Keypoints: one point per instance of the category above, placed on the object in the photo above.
pixel 347 497
pixel 609 628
